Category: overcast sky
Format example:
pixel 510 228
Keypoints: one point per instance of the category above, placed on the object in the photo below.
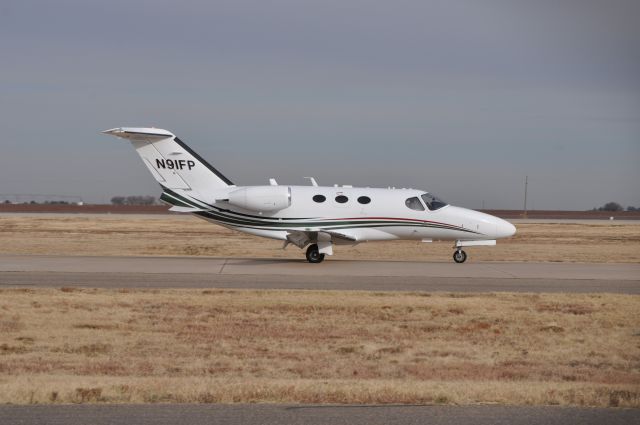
pixel 461 98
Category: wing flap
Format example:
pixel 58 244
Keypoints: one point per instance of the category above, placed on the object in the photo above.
pixel 301 238
pixel 340 235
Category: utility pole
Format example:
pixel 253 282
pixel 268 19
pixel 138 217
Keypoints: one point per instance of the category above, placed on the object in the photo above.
pixel 526 183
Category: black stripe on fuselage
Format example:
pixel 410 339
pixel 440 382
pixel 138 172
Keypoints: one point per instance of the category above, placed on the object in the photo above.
pixel 319 226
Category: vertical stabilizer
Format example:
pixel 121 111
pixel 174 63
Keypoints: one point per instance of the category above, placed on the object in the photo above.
pixel 173 164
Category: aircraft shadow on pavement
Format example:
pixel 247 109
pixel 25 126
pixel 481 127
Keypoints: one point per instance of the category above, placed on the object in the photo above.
pixel 268 261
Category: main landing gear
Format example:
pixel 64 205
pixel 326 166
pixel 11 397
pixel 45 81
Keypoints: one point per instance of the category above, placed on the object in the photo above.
pixel 313 254
pixel 459 256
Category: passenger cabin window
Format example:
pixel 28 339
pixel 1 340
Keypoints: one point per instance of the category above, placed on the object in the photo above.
pixel 341 199
pixel 414 203
pixel 364 199
pixel 319 198
pixel 432 201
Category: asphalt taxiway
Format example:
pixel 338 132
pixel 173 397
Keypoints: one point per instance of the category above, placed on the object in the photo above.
pixel 265 414
pixel 202 272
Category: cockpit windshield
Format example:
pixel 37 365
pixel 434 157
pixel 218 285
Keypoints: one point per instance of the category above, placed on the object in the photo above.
pixel 433 202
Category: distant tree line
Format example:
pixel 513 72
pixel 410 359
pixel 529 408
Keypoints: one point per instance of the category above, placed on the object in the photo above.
pixel 133 200
pixel 614 206
pixel 36 202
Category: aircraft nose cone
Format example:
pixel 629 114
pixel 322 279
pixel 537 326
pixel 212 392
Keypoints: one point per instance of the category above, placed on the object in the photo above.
pixel 504 229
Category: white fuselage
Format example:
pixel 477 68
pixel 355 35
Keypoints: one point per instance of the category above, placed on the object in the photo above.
pixel 385 217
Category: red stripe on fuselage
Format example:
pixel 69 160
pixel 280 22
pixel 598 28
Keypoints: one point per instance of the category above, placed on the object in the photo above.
pixel 395 218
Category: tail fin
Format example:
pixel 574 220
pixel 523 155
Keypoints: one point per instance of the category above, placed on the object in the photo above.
pixel 173 164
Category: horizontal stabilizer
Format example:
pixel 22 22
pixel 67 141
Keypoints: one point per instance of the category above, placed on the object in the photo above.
pixel 139 133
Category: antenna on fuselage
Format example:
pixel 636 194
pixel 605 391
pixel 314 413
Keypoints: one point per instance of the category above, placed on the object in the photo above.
pixel 526 184
pixel 313 181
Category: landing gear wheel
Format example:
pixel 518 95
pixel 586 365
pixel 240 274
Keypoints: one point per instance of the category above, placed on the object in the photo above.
pixel 313 254
pixel 459 256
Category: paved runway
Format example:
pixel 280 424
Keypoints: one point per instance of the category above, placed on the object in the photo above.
pixel 200 272
pixel 160 414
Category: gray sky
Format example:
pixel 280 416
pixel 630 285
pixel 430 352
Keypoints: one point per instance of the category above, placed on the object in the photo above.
pixel 462 98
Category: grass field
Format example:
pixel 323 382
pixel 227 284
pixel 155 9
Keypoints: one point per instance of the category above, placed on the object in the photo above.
pixel 600 241
pixel 133 346
pixel 143 346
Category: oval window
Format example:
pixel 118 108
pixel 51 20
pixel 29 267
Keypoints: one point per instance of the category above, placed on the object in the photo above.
pixel 364 199
pixel 341 199
pixel 319 198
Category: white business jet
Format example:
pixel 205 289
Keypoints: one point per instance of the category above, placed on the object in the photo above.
pixel 316 217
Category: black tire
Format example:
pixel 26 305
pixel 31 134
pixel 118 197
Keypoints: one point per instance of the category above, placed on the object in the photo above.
pixel 459 256
pixel 313 254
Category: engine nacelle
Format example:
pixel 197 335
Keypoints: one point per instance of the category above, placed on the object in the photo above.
pixel 261 198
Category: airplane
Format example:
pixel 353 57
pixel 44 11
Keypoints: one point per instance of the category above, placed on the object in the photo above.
pixel 315 217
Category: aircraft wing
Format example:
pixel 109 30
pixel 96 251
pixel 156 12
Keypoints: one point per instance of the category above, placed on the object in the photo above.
pixel 301 238
pixel 340 235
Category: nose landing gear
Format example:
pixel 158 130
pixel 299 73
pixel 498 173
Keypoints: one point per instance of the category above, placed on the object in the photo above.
pixel 459 256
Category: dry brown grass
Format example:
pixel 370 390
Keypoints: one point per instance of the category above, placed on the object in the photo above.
pixel 130 346
pixel 187 235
